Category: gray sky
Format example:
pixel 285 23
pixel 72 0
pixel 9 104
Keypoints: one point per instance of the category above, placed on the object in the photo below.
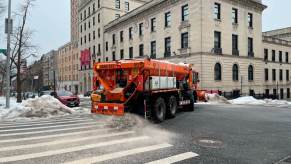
pixel 50 19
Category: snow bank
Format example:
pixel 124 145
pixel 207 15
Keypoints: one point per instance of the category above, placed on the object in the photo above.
pixel 247 100
pixel 45 106
pixel 216 99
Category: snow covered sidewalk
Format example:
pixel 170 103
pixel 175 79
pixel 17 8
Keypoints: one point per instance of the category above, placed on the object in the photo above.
pixel 247 100
pixel 42 107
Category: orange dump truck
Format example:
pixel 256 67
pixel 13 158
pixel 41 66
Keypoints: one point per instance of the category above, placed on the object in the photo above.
pixel 153 88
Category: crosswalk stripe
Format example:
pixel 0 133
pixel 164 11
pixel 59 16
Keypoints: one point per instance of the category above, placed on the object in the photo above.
pixel 71 149
pixel 43 121
pixel 54 135
pixel 51 130
pixel 120 154
pixel 174 159
pixel 49 126
pixel 64 141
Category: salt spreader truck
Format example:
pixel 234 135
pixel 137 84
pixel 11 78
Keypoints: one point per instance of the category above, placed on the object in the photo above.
pixel 153 88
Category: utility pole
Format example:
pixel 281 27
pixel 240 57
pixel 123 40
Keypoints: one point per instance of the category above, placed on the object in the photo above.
pixel 9 30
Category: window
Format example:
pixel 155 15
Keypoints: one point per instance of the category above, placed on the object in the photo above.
pixel 89 24
pixel 167 47
pixel 184 40
pixel 89 11
pixel 266 74
pixel 99 50
pixel 251 73
pixel 81 28
pixel 281 93
pixel 122 54
pixel 130 33
pixel 81 41
pixel 235 44
pixel 117 16
pixel 267 92
pixel 99 33
pixel 217 72
pixel 121 36
pixel 94 8
pixel 85 39
pixel 153 50
pixel 250 47
pixel 153 24
pixel 274 74
pixel 288 93
pixel 234 16
pixel 113 39
pixel 98 3
pixel 117 4
pixel 85 26
pixel 280 56
pixel 235 72
pixel 94 50
pixel 281 75
pixel 98 18
pixel 126 6
pixel 141 50
pixel 94 21
pixel 266 54
pixel 185 13
pixel 273 55
pixel 94 35
pixel 131 52
pixel 85 14
pixel 250 20
pixel 287 57
pixel 217 40
pixel 113 56
pixel 168 19
pixel 89 37
pixel 217 8
pixel 141 29
pixel 81 16
pixel 106 46
pixel 287 75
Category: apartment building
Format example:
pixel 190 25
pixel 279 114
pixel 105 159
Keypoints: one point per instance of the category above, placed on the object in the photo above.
pixel 223 40
pixel 93 16
pixel 49 69
pixel 68 65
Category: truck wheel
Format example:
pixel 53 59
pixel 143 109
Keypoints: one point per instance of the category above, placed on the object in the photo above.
pixel 172 107
pixel 159 112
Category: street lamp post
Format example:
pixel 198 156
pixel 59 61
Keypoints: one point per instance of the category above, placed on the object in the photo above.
pixel 9 28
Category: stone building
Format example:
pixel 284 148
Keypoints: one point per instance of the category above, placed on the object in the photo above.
pixel 223 40
pixel 68 64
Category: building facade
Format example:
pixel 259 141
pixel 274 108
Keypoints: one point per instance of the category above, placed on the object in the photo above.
pixel 223 40
pixel 68 76
pixel 93 16
pixel 49 69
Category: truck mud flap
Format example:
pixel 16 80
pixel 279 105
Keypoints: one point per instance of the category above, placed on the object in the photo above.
pixel 108 109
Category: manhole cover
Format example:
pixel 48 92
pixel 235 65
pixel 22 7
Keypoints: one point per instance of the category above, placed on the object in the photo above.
pixel 209 143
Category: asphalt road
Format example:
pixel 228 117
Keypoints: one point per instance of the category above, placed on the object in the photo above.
pixel 211 134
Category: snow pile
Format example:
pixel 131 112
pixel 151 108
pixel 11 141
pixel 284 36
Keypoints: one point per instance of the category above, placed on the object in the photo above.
pixel 247 100
pixel 45 106
pixel 277 102
pixel 216 99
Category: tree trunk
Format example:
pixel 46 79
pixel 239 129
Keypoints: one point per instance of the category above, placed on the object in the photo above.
pixel 18 81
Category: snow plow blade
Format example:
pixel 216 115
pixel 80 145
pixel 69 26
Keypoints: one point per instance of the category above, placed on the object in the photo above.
pixel 108 109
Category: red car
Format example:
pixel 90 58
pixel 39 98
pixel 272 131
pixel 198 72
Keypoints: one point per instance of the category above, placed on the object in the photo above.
pixel 67 98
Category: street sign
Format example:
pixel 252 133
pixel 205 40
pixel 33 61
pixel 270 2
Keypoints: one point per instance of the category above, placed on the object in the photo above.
pixel 2 51
pixel 10 26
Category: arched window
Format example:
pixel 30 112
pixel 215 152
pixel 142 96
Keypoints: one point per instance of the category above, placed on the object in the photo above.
pixel 235 72
pixel 217 72
pixel 251 73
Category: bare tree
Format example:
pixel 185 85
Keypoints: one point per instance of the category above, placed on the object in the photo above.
pixel 22 47
pixel 2 7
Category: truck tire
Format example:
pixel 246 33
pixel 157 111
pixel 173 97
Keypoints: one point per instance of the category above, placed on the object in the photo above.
pixel 159 111
pixel 172 107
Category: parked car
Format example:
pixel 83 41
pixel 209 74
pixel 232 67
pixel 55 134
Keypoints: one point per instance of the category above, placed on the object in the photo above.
pixel 67 98
pixel 48 92
pixel 88 94
pixel 29 95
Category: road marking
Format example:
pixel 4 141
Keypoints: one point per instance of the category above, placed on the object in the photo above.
pixel 71 149
pixel 176 158
pixel 51 130
pixel 49 126
pixel 44 121
pixel 120 154
pixel 64 141
pixel 54 135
